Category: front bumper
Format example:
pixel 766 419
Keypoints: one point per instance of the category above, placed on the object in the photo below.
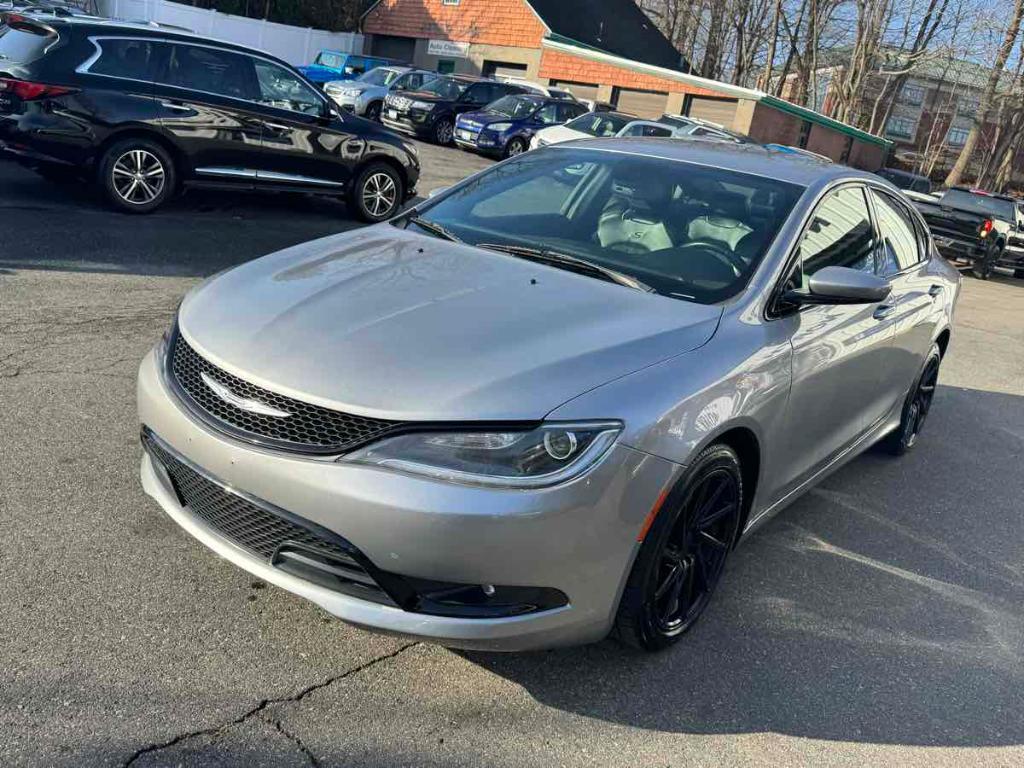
pixel 482 141
pixel 578 538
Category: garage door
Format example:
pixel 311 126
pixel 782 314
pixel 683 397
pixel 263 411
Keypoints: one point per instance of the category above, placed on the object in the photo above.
pixel 582 91
pixel 646 104
pixel 394 47
pixel 721 111
pixel 503 69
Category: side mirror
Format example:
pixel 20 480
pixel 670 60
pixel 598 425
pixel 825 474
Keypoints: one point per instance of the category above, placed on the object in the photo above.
pixel 435 192
pixel 840 285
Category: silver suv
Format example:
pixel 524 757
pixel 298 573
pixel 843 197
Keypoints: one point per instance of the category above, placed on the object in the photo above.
pixel 365 95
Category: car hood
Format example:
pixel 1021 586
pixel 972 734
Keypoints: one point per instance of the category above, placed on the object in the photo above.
pixel 486 117
pixel 423 96
pixel 392 324
pixel 559 133
pixel 320 72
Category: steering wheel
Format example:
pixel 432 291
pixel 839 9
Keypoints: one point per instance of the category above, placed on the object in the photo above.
pixel 719 251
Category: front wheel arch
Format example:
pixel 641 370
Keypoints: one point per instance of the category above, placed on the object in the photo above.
pixel 136 132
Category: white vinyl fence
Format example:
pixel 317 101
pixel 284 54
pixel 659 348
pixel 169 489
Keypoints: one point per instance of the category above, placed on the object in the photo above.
pixel 296 45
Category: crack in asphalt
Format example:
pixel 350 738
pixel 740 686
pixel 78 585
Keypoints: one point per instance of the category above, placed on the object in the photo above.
pixel 257 711
pixel 299 745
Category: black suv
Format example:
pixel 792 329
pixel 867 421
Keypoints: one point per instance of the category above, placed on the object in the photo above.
pixel 144 110
pixel 430 112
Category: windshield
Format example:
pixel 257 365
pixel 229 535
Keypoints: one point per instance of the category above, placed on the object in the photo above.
pixel 445 88
pixel 378 76
pixel 995 207
pixel 514 106
pixel 21 45
pixel 332 60
pixel 599 124
pixel 690 232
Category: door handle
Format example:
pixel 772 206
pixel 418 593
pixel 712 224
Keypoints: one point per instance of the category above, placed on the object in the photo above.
pixel 277 127
pixel 175 107
pixel 884 311
pixel 934 291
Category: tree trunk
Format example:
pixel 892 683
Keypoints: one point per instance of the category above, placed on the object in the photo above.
pixel 978 122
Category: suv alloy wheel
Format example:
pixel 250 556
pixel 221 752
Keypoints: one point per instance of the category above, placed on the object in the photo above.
pixel 377 193
pixel 137 175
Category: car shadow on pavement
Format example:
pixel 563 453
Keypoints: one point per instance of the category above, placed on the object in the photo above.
pixel 866 612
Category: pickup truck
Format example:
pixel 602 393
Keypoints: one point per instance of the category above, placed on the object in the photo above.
pixel 978 228
pixel 330 66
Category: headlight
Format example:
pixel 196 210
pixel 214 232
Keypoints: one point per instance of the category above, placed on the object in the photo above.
pixel 499 127
pixel 426 106
pixel 551 454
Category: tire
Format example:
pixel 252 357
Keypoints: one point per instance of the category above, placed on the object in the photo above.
pixel 444 131
pixel 1018 272
pixel 677 557
pixel 516 146
pixel 373 111
pixel 377 193
pixel 142 161
pixel 916 407
pixel 983 270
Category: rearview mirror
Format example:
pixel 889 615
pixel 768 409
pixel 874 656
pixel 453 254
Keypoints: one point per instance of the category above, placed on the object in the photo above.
pixel 840 285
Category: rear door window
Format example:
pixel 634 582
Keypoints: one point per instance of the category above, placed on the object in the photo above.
pixel 124 58
pixel 23 43
pixel 210 70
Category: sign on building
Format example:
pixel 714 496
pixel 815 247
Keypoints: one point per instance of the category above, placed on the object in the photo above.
pixel 448 49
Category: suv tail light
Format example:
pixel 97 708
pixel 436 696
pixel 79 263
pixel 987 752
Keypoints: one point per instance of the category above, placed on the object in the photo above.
pixel 26 90
pixel 986 228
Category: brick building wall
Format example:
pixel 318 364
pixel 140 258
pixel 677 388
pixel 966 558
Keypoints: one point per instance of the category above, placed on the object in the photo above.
pixel 556 65
pixel 826 142
pixel 510 23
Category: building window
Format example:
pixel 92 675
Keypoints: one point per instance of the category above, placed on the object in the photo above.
pixel 967 106
pixel 449 2
pixel 912 94
pixel 445 66
pixel 957 137
pixel 900 127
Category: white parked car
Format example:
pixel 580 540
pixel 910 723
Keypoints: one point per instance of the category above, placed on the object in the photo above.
pixel 619 124
pixel 601 125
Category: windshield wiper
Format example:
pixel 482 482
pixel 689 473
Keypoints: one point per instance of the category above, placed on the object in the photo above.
pixel 438 230
pixel 573 263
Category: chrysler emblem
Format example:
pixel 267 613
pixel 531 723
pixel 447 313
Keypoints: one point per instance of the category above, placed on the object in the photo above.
pixel 242 403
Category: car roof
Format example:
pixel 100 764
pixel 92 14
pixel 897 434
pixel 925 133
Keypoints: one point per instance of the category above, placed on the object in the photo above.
pixel 93 25
pixel 466 78
pixel 742 158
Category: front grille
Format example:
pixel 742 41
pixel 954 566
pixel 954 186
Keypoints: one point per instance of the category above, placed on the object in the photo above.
pixel 281 540
pixel 308 428
pixel 251 527
pixel 399 102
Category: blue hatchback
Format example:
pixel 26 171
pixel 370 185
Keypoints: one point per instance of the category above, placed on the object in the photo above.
pixel 504 127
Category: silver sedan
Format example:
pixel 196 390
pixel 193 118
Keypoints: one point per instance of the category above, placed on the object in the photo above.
pixel 547 403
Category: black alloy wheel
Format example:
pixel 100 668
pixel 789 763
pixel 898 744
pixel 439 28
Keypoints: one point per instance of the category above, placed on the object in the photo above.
pixel 917 406
pixel 444 131
pixel 515 147
pixel 683 555
pixel 377 193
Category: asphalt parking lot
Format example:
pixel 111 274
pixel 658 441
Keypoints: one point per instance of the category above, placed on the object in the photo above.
pixel 877 621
